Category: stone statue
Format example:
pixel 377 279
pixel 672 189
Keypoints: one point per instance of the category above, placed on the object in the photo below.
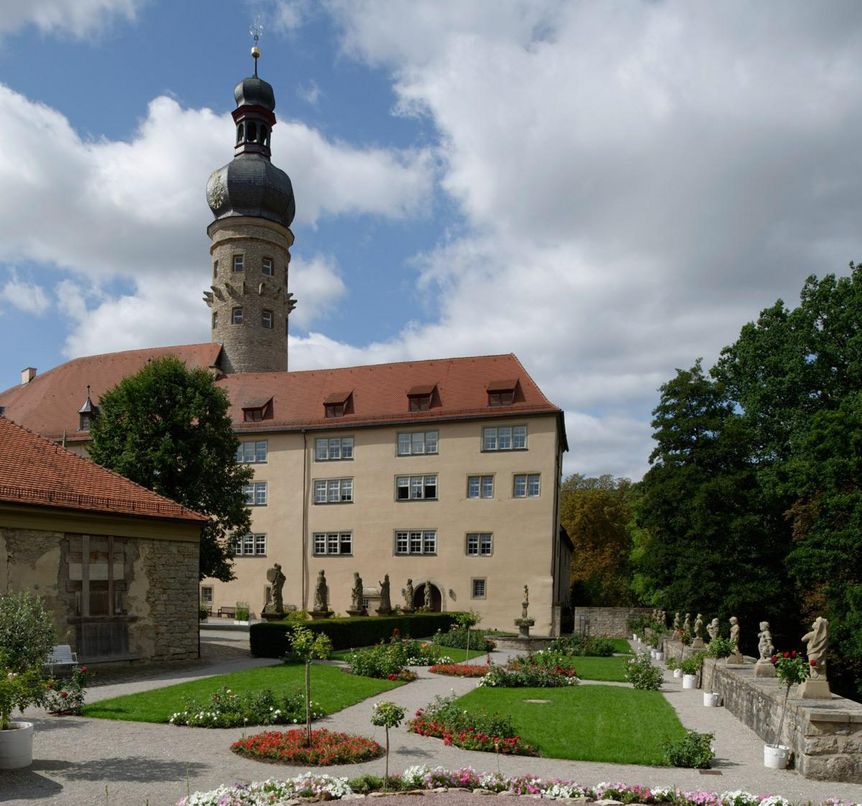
pixel 765 649
pixel 321 594
pixel 686 625
pixel 697 643
pixel 676 622
pixel 713 628
pixel 276 581
pixel 764 644
pixel 357 594
pixel 662 617
pixel 385 598
pixel 408 593
pixel 427 596
pixel 734 633
pixel 817 643
pixel 525 622
pixel 526 603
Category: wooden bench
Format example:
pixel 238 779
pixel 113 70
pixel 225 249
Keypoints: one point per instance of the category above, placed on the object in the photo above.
pixel 61 658
pixel 228 611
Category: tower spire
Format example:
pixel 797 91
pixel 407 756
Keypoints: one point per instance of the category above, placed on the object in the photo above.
pixel 256 31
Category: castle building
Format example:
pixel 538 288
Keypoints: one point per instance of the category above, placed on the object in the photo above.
pixel 445 472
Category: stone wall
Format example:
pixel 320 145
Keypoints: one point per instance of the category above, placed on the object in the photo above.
pixel 610 622
pixel 824 735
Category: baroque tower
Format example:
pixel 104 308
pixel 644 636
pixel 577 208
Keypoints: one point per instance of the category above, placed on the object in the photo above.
pixel 253 205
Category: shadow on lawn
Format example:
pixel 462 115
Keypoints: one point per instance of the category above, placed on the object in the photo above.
pixel 128 768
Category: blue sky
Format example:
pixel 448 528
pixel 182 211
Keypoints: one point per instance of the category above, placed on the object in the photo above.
pixel 608 190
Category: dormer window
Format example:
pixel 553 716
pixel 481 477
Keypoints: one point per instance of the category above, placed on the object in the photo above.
pixel 422 398
pixel 87 413
pixel 257 410
pixel 338 404
pixel 503 393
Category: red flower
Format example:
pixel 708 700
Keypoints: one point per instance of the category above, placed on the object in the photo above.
pixel 793 654
pixel 812 662
pixel 774 658
pixel 786 654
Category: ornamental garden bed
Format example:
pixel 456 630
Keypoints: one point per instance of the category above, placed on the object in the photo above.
pixel 461 669
pixel 332 690
pixel 326 748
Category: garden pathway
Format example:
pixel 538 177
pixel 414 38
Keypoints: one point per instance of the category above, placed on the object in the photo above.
pixel 84 762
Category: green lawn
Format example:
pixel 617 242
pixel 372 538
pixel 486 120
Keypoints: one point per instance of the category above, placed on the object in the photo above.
pixel 586 723
pixel 621 645
pixel 612 669
pixel 457 655
pixel 333 688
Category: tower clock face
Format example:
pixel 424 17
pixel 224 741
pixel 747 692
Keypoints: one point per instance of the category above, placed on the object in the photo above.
pixel 216 190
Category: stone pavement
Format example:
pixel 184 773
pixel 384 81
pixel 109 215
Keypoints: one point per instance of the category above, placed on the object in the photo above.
pixel 83 762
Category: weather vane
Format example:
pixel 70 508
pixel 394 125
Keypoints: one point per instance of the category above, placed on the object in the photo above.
pixel 256 30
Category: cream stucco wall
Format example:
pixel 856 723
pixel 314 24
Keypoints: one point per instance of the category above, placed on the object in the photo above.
pixel 524 529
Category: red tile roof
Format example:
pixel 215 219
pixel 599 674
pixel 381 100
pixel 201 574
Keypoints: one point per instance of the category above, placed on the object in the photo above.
pixel 38 472
pixel 49 403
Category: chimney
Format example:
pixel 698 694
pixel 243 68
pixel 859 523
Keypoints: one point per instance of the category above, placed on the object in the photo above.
pixel 27 375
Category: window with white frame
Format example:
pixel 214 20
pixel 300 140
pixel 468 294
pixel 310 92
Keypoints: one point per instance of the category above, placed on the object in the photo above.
pixel 527 485
pixel 504 438
pixel 266 318
pixel 207 595
pixel 251 545
pixel 251 451
pixel 237 263
pixel 417 443
pixel 480 486
pixel 255 493
pixel 266 266
pixel 480 544
pixel 332 543
pixel 416 541
pixel 416 488
pixel 478 588
pixel 333 491
pixel 331 449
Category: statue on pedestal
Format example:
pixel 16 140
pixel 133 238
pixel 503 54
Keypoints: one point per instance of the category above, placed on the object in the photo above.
pixel 357 596
pixel 385 600
pixel 817 642
pixel 735 656
pixel 525 622
pixel 276 581
pixel 408 593
pixel 698 633
pixel 686 625
pixel 765 649
pixel 713 628
pixel 321 595
pixel 427 596
pixel 677 626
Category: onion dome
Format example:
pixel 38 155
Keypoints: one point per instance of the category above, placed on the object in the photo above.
pixel 250 185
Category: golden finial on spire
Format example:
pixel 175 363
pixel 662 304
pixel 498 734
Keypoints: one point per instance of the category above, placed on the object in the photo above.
pixel 256 30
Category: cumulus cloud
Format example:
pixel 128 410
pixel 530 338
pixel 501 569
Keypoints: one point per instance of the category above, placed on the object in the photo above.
pixel 77 18
pixel 322 288
pixel 23 295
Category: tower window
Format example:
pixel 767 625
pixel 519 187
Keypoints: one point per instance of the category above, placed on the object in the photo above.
pixel 215 318
pixel 266 266
pixel 266 319
pixel 237 263
pixel 240 131
pixel 236 316
pixel 261 137
pixel 215 268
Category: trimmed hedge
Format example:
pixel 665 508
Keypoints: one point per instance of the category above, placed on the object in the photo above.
pixel 271 639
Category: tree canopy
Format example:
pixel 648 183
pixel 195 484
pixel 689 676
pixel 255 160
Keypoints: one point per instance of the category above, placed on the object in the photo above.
pixel 167 428
pixel 753 503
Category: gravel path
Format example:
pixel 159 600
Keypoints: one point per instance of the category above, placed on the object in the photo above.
pixel 85 762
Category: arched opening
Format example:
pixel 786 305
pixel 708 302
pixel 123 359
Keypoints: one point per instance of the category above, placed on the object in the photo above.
pixel 240 133
pixel 419 597
pixel 251 131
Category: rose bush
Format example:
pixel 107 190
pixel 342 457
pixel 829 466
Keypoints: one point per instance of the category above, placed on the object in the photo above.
pixel 66 697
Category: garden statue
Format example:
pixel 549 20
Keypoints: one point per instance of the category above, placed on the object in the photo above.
pixel 686 625
pixel 764 667
pixel 735 655
pixel 713 629
pixel 385 600
pixel 525 622
pixel 321 594
pixel 357 596
pixel 408 593
pixel 677 626
pixel 427 596
pixel 698 632
pixel 662 617
pixel 816 641
pixel 276 581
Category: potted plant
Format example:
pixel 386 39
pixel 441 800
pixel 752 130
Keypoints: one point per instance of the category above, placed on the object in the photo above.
pixel 673 666
pixel 791 668
pixel 17 690
pixel 691 667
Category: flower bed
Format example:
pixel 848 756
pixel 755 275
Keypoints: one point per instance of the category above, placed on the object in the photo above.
pixel 324 787
pixel 538 670
pixel 460 669
pixel 445 719
pixel 66 697
pixel 388 661
pixel 227 709
pixel 327 747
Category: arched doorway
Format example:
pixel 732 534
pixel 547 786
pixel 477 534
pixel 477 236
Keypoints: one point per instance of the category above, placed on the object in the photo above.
pixel 419 597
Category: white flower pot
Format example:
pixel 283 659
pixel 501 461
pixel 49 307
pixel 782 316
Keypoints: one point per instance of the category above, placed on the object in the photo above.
pixel 711 698
pixel 16 746
pixel 677 673
pixel 689 681
pixel 659 656
pixel 775 756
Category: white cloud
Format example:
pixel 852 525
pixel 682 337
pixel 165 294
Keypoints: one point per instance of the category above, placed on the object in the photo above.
pixel 322 287
pixel 25 296
pixel 77 18
pixel 310 93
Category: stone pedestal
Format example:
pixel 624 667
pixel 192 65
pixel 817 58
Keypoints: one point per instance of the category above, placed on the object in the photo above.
pixel 320 614
pixel 698 644
pixel 764 668
pixel 814 689
pixel 736 659
pixel 523 625
pixel 354 613
pixel 271 615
